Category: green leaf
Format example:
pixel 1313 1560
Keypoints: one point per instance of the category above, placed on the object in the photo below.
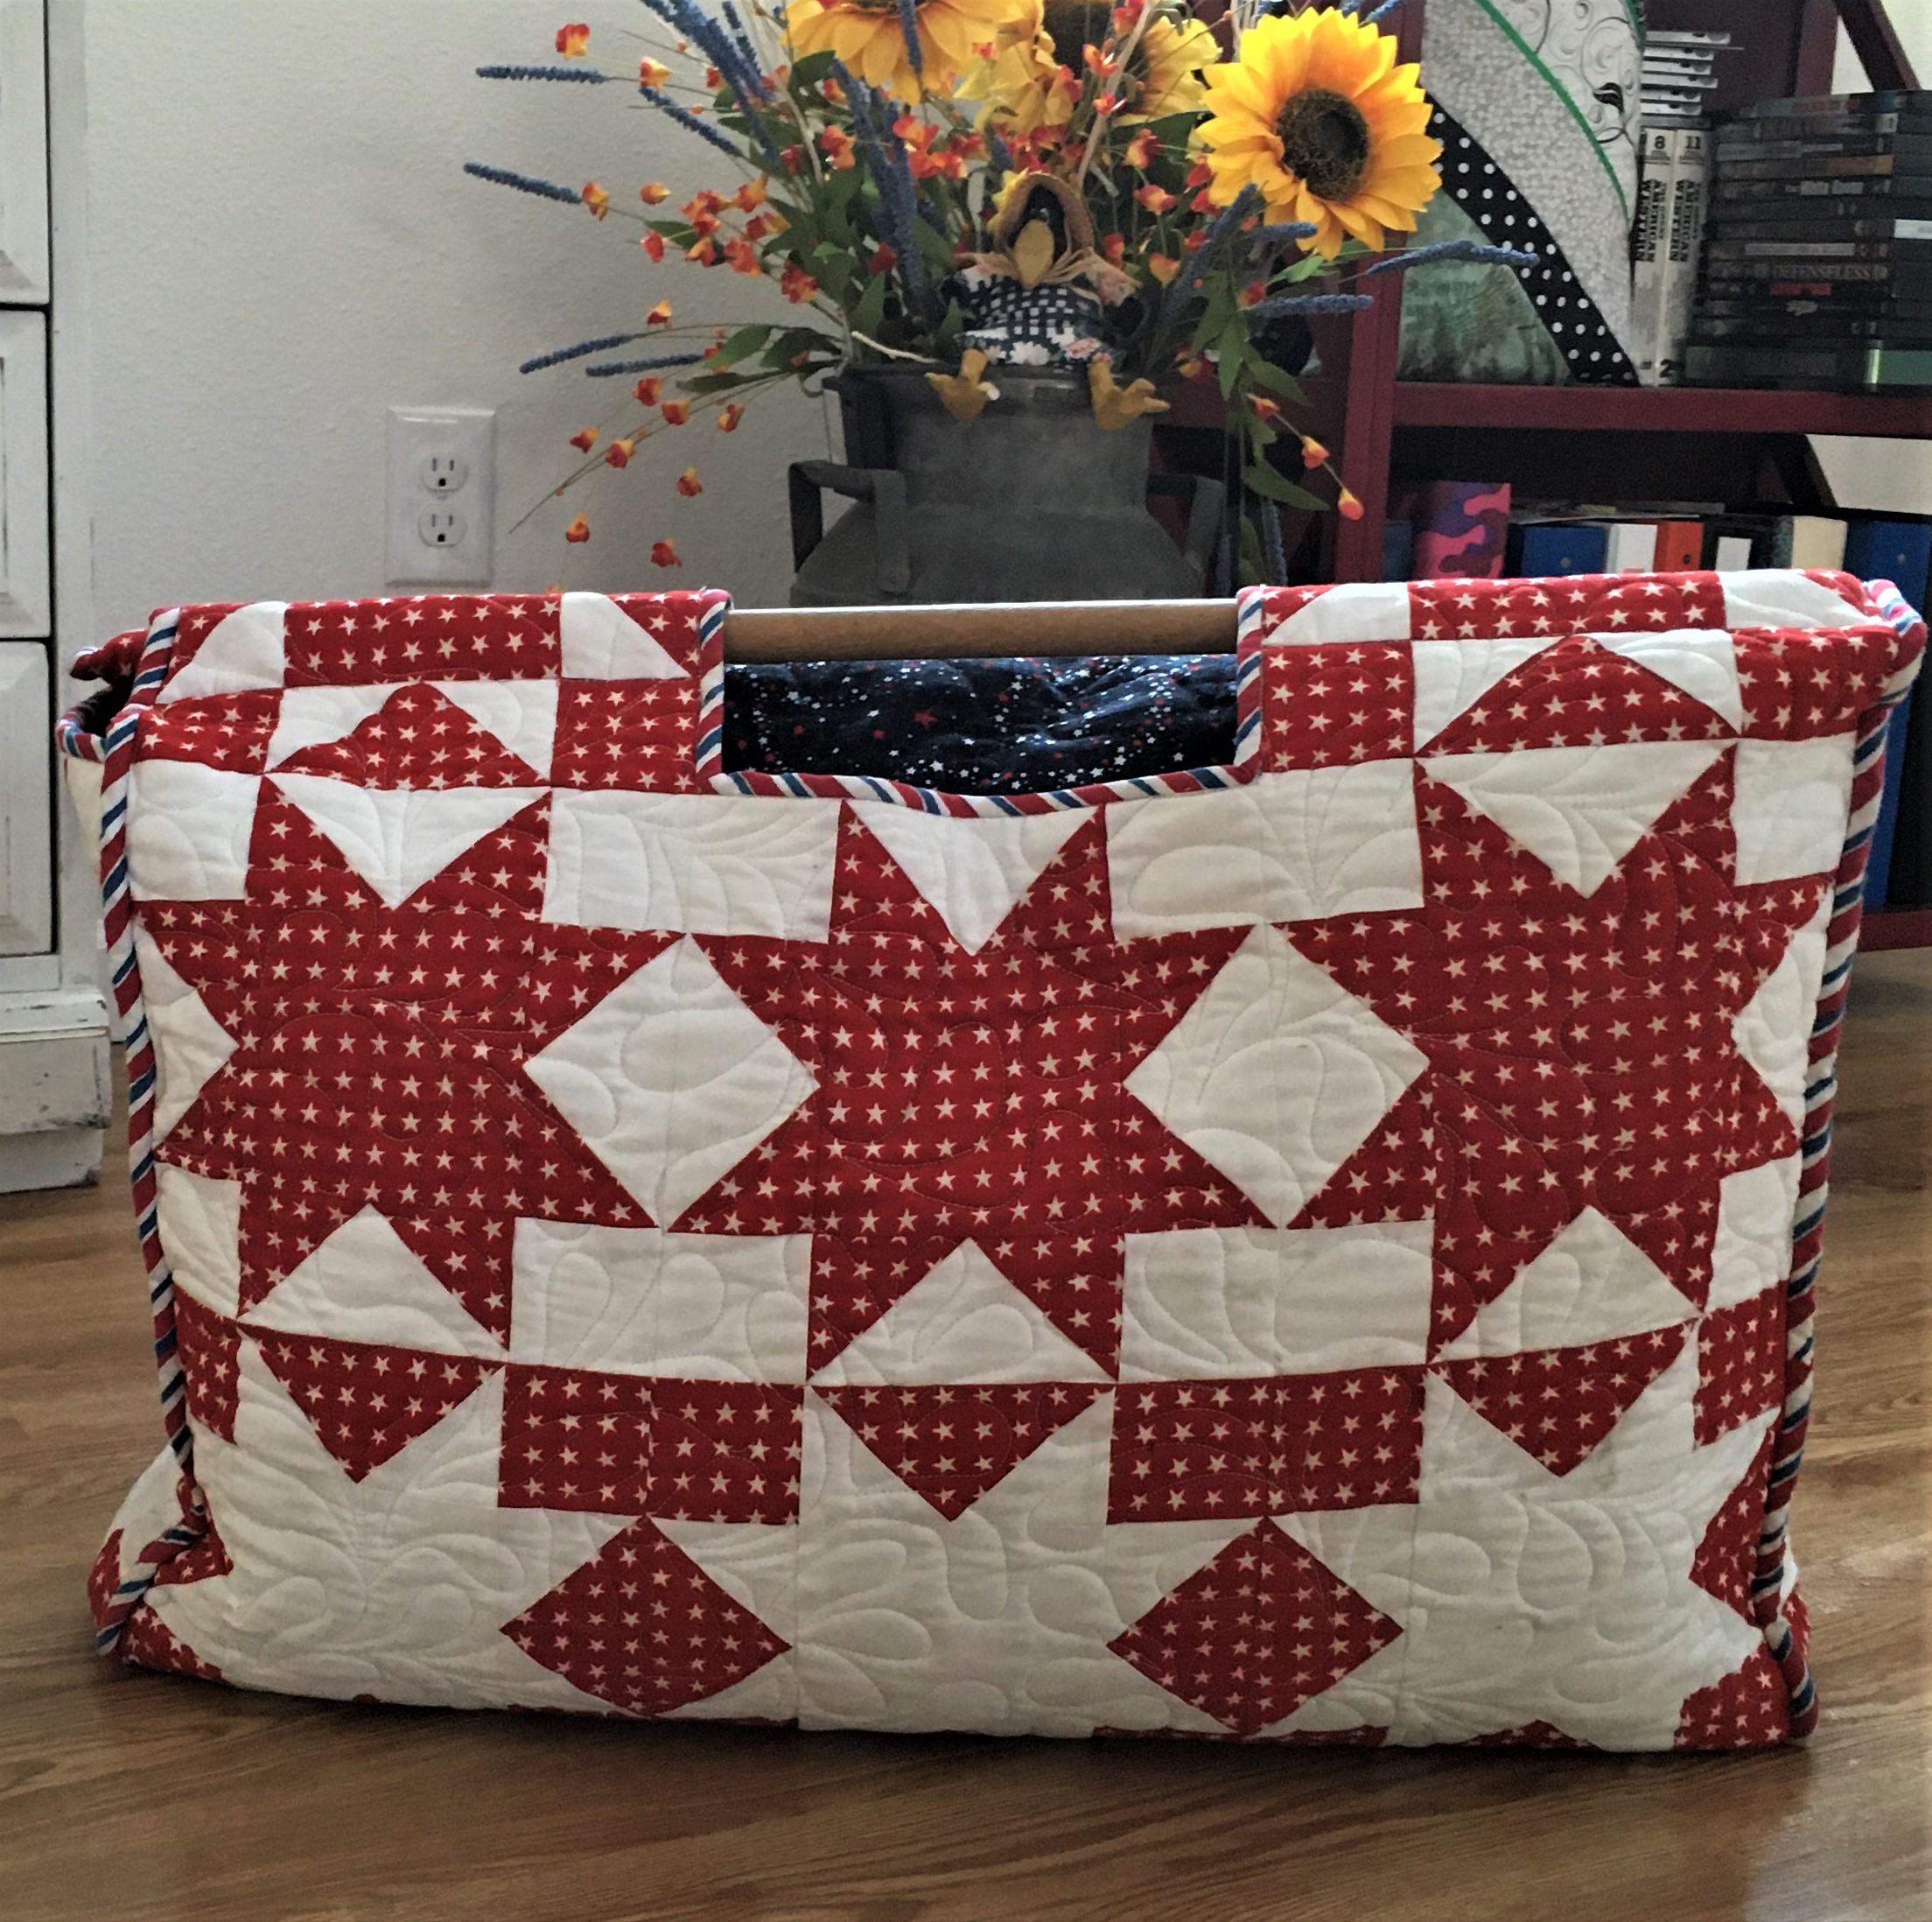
pixel 1276 379
pixel 1265 481
pixel 932 245
pixel 1231 350
pixel 716 383
pixel 808 71
pixel 741 346
pixel 871 305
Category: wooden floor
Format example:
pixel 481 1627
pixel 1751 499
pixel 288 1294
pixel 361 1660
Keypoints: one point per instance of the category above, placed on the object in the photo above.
pixel 123 1793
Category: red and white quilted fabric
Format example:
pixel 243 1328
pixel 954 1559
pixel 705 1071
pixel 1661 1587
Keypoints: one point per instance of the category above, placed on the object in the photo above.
pixel 1316 1249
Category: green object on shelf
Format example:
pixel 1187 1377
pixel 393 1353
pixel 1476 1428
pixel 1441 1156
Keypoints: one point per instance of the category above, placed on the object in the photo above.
pixel 1849 366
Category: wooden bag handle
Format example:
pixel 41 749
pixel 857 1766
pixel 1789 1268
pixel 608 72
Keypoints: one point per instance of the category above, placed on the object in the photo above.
pixel 987 631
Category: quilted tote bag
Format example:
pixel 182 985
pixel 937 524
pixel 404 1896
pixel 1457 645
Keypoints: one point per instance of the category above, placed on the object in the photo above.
pixel 1313 1249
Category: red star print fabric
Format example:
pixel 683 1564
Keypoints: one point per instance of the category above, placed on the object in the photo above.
pixel 1312 1250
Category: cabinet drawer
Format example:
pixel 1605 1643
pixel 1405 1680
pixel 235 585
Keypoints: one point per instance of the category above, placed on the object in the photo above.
pixel 26 794
pixel 25 605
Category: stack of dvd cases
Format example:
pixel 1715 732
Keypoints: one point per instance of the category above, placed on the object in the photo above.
pixel 1817 266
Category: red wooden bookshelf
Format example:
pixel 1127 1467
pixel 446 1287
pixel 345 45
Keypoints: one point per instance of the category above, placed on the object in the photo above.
pixel 1744 447
pixel 1409 430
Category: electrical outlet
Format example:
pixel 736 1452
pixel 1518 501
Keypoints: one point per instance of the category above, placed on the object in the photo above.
pixel 442 527
pixel 441 497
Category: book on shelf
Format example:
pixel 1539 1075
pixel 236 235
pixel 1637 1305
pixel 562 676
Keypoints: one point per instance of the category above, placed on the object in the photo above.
pixel 1460 528
pixel 1817 268
pixel 1647 250
pixel 1898 547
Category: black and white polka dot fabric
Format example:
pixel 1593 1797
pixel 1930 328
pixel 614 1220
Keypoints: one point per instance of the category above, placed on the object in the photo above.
pixel 1481 189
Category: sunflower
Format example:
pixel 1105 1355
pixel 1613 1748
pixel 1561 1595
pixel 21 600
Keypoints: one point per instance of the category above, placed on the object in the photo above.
pixel 867 36
pixel 1034 82
pixel 1316 114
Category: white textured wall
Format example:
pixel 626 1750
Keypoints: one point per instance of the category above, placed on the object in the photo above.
pixel 281 244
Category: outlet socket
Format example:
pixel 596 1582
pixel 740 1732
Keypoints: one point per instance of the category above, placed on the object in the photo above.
pixel 441 497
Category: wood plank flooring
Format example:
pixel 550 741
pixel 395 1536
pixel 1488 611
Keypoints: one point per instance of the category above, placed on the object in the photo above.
pixel 135 1794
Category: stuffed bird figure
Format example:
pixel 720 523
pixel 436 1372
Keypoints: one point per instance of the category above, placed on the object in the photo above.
pixel 1041 297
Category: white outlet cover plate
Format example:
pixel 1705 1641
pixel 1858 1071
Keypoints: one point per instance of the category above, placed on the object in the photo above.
pixel 414 433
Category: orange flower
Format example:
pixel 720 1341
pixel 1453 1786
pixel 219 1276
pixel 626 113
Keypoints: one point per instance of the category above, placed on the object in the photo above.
pixel 702 223
pixel 618 454
pixel 688 484
pixel 1254 293
pixel 1194 366
pixel 1347 505
pixel 653 193
pixel 584 438
pixel 578 531
pixel 1200 174
pixel 1156 200
pixel 677 413
pixel 797 285
pixel 750 196
pixel 759 225
pixel 713 79
pixel 794 158
pixel 743 256
pixel 1312 453
pixel 705 253
pixel 1163 267
pixel 596 199
pixel 649 389
pixel 1113 249
pixel 838 147
pixel 1142 149
pixel 652 245
pixel 884 259
pixel 571 40
pixel 660 316
pixel 729 416
pixel 1267 409
pixel 664 554
pixel 652 73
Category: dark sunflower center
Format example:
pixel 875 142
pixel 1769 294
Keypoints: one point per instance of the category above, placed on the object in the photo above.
pixel 1325 139
pixel 1072 25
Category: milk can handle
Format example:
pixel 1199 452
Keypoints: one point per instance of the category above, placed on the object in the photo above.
pixel 883 487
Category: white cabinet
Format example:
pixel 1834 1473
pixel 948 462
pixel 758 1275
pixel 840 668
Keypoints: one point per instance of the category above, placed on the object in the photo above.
pixel 24 278
pixel 53 1030
pixel 25 602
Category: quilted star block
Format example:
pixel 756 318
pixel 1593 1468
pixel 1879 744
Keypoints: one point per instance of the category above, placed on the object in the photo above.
pixel 1314 1249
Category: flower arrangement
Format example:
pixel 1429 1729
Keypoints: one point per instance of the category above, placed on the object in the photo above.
pixel 967 183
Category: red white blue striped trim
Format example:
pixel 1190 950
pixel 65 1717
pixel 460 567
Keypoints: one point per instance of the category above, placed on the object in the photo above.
pixel 1772 1584
pixel 115 752
pixel 1251 609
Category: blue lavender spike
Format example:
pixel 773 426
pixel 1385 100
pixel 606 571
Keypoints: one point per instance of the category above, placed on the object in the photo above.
pixel 1225 222
pixel 1285 230
pixel 746 83
pixel 740 39
pixel 1450 250
pixel 898 197
pixel 583 75
pixel 999 151
pixel 604 369
pixel 1319 303
pixel 524 183
pixel 692 123
pixel 1382 12
pixel 1271 545
pixel 577 352
pixel 908 29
